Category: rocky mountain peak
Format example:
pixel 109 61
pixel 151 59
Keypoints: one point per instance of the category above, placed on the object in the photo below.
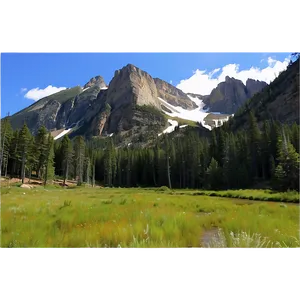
pixel 230 94
pixel 254 86
pixel 97 80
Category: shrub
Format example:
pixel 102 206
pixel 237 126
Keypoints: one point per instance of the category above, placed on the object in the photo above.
pixel 163 189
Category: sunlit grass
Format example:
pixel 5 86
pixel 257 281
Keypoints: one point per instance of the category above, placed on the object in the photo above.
pixel 94 217
pixel 260 195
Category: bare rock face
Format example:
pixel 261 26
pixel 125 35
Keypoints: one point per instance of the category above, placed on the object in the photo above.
pixel 98 80
pixel 231 94
pixel 131 85
pixel 173 95
pixel 254 86
pixel 47 116
pixel 81 104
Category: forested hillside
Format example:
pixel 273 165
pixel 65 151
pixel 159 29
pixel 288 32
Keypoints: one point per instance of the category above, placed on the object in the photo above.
pixel 227 160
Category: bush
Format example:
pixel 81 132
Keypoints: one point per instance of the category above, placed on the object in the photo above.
pixel 163 189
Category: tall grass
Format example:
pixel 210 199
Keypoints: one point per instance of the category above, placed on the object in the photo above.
pixel 92 217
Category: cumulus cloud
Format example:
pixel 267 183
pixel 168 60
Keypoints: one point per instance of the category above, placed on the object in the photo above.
pixel 37 93
pixel 203 82
pixel 23 90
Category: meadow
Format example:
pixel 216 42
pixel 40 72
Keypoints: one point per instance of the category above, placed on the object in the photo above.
pixel 123 217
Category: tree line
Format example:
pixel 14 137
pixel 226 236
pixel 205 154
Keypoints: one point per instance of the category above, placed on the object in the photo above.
pixel 226 160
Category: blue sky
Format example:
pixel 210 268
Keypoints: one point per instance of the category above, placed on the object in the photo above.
pixel 192 72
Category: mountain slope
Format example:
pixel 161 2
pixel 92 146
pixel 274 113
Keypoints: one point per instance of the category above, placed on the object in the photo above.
pixel 279 101
pixel 45 111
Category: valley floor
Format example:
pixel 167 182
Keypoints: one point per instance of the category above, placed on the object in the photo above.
pixel 122 217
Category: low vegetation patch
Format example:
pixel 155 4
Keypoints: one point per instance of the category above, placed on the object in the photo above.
pixel 260 195
pixel 93 217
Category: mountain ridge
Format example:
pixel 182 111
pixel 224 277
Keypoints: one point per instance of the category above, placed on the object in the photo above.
pixel 100 109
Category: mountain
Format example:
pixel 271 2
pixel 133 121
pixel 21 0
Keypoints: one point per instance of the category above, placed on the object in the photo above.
pixel 134 106
pixel 230 95
pixel 131 105
pixel 279 101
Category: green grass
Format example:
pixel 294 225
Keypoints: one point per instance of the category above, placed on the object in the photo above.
pixel 119 217
pixel 260 195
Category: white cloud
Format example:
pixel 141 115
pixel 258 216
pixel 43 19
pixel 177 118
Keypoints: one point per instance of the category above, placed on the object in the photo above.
pixel 23 90
pixel 37 93
pixel 202 82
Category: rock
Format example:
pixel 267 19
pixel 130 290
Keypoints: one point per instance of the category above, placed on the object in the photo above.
pixel 173 95
pixel 26 186
pixel 131 85
pixel 231 94
pixel 254 86
pixel 98 80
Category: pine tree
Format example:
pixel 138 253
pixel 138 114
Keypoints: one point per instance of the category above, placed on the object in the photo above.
pixel 79 151
pixel 167 148
pixel 14 152
pixel 287 171
pixel 32 159
pixel 41 146
pixel 6 137
pixel 66 155
pixel 295 136
pixel 24 148
pixel 254 140
pixel 49 161
pixel 214 175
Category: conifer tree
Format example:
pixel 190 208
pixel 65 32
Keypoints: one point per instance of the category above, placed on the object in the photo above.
pixel 66 155
pixel 287 171
pixel 49 161
pixel 6 136
pixel 79 151
pixel 24 147
pixel 41 146
pixel 214 175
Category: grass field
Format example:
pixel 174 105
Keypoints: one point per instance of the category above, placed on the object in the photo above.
pixel 119 217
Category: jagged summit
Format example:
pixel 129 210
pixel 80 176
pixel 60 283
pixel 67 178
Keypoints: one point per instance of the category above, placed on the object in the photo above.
pixel 97 80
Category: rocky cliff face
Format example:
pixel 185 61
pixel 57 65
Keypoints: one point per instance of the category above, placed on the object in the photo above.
pixel 173 95
pixel 254 86
pixel 230 95
pixel 98 80
pixel 129 87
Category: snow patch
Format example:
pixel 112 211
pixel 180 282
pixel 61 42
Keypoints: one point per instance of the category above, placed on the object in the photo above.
pixel 84 90
pixel 111 134
pixel 198 102
pixel 72 105
pixel 171 128
pixel 59 105
pixel 62 133
pixel 196 115
pixel 182 126
pixel 206 126
pixel 104 88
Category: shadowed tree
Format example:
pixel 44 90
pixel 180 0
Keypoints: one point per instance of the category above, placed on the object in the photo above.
pixel 66 155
